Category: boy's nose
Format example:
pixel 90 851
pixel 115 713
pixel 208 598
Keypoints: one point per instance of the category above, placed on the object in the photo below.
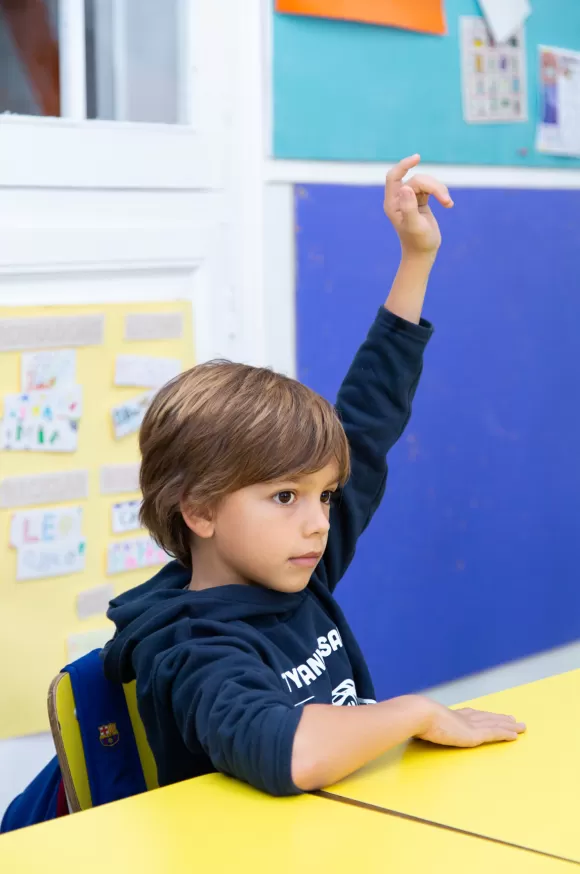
pixel 317 522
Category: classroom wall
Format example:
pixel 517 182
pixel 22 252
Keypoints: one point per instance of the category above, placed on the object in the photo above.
pixel 349 92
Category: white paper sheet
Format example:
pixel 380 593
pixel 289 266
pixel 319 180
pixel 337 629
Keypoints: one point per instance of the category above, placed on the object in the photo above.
pixel 30 527
pixel 125 516
pixel 48 370
pixel 95 601
pixel 81 644
pixel 494 76
pixel 145 371
pixel 558 130
pixel 44 488
pixel 128 416
pixel 51 332
pixel 42 421
pixel 115 479
pixel 130 555
pixel 43 560
pixel 505 17
pixel 153 326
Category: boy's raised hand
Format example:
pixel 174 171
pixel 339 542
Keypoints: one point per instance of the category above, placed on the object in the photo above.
pixel 407 207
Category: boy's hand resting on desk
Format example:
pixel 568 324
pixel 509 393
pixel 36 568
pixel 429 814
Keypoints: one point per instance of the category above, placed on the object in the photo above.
pixel 333 742
pixel 407 207
pixel 469 728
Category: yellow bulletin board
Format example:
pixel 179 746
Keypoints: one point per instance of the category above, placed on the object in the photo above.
pixel 38 616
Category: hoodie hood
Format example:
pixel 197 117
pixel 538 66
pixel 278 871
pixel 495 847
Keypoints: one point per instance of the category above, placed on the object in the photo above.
pixel 164 605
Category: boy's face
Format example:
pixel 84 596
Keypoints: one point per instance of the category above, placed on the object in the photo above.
pixel 273 534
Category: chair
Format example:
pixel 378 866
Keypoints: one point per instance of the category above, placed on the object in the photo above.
pixel 69 747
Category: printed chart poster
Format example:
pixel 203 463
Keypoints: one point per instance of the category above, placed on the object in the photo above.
pixel 559 126
pixel 424 16
pixel 494 75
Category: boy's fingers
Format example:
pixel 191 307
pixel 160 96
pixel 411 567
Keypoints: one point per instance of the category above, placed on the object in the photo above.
pixel 494 735
pixel 393 184
pixel 428 185
pixel 397 173
pixel 503 723
pixel 409 207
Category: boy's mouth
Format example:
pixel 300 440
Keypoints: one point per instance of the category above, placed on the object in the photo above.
pixel 309 559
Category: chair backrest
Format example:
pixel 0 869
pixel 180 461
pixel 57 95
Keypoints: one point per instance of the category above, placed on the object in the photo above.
pixel 66 733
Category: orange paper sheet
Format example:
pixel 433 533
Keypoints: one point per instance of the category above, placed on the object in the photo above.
pixel 426 16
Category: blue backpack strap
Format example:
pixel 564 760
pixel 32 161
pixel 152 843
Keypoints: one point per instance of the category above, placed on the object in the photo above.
pixel 113 763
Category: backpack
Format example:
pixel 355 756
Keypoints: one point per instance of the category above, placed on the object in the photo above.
pixel 112 759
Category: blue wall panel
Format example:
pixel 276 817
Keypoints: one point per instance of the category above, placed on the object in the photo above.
pixel 351 92
pixel 472 560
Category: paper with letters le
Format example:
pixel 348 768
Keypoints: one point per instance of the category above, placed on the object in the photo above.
pixel 48 525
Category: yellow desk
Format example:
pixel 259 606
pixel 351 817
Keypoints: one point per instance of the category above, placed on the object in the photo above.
pixel 217 825
pixel 526 792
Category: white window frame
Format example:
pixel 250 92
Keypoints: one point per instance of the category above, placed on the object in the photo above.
pixel 75 152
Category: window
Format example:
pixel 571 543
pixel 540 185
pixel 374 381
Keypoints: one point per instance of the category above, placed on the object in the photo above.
pixel 29 57
pixel 117 60
pixel 134 60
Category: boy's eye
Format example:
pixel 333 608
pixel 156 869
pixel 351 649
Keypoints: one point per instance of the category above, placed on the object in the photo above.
pixel 327 496
pixel 285 498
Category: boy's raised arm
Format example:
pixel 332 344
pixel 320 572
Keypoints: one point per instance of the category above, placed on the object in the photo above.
pixel 375 399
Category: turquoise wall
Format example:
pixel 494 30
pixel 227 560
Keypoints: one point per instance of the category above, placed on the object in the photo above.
pixel 350 92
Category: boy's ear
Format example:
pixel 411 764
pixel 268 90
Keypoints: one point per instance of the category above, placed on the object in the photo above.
pixel 199 524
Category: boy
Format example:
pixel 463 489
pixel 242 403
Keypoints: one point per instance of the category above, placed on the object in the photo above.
pixel 239 649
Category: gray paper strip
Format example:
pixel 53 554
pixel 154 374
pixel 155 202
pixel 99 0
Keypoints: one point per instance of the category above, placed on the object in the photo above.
pixel 51 332
pixel 153 326
pixel 44 488
pixel 119 478
pixel 95 601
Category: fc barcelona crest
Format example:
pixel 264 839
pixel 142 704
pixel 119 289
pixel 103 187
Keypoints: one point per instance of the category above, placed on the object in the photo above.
pixel 108 734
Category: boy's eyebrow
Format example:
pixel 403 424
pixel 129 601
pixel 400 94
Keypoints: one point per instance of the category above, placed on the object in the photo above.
pixel 333 484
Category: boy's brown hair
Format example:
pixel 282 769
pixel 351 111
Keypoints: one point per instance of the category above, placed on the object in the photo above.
pixel 220 427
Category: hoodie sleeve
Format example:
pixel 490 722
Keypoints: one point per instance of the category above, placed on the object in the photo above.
pixel 374 404
pixel 227 699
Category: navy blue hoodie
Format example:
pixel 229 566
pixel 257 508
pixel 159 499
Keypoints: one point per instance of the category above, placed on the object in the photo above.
pixel 223 674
